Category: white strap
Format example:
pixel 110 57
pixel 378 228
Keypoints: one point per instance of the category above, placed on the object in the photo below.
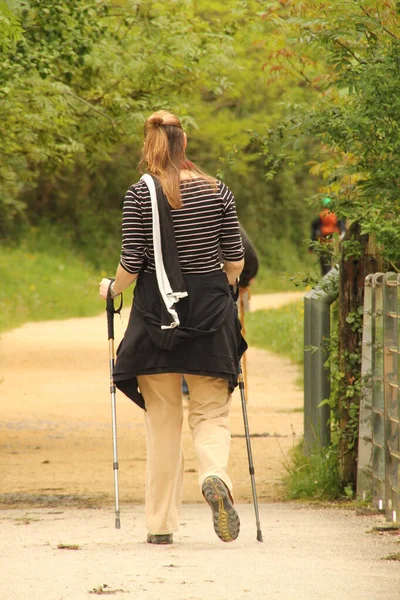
pixel 168 295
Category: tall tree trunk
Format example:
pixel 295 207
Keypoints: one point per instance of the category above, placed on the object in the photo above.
pixel 353 271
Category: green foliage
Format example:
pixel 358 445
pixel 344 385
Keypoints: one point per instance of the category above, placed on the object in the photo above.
pixel 66 31
pixel 10 27
pixel 75 91
pixel 274 212
pixel 279 330
pixel 355 114
pixel 78 83
pixel 269 280
pixel 312 476
pixel 348 56
pixel 284 270
pixel 38 126
pixel 346 387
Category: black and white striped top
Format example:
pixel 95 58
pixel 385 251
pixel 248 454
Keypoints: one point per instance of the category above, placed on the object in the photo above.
pixel 205 224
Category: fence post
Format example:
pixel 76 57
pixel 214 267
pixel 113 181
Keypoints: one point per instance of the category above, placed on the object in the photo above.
pixel 379 431
pixel 378 404
pixel 395 416
pixel 316 377
pixel 391 387
pixel 364 463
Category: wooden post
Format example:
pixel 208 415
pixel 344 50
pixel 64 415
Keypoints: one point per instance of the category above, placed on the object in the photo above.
pixel 353 271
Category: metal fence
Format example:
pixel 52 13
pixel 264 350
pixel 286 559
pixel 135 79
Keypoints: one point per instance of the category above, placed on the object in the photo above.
pixel 379 430
pixel 317 326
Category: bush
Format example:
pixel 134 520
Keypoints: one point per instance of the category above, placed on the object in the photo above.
pixel 312 476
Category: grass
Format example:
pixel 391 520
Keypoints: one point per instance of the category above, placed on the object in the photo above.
pixel 43 279
pixel 289 279
pixel 279 330
pixel 309 476
pixel 46 278
pixel 269 281
pixel 312 476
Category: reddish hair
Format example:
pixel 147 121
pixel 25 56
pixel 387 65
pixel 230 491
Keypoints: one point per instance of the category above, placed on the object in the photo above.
pixel 164 154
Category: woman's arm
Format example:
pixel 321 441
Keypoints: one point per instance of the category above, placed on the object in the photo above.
pixel 133 246
pixel 123 279
pixel 233 270
pixel 230 238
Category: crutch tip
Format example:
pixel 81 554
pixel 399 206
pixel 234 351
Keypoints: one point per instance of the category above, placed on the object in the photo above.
pixel 117 523
pixel 259 536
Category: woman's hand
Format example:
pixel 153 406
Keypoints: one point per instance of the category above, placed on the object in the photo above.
pixel 123 279
pixel 233 270
pixel 103 287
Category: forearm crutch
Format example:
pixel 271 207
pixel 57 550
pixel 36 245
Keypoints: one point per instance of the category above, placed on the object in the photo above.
pixel 111 311
pixel 249 453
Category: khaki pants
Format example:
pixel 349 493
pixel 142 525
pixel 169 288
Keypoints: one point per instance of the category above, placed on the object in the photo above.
pixel 208 421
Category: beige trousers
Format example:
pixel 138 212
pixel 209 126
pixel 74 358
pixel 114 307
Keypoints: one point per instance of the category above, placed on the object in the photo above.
pixel 208 421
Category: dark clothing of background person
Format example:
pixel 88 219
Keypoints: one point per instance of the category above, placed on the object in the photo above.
pixel 251 263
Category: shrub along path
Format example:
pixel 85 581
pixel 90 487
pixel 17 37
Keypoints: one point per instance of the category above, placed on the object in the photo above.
pixel 57 520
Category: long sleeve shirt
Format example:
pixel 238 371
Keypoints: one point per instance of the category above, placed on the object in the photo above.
pixel 206 223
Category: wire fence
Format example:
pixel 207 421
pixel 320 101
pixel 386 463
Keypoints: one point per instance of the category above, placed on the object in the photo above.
pixel 379 427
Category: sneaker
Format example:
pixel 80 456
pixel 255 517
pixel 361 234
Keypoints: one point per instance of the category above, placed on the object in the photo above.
pixel 164 538
pixel 225 518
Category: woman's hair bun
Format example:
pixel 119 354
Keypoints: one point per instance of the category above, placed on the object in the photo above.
pixel 156 121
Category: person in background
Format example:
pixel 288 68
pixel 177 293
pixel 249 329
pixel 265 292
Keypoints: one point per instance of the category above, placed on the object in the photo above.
pixel 323 228
pixel 246 278
pixel 250 269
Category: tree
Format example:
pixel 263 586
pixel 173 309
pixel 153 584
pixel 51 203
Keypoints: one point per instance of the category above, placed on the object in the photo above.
pixel 349 54
pixel 10 28
pixel 74 99
pixel 75 90
pixel 273 210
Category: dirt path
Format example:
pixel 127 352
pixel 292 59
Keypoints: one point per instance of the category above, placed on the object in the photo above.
pixel 55 418
pixel 309 553
pixel 56 471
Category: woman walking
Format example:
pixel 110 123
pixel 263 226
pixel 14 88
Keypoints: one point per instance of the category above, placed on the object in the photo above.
pixel 183 321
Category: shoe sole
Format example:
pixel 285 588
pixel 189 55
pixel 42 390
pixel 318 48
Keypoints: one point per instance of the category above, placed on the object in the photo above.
pixel 225 518
pixel 161 539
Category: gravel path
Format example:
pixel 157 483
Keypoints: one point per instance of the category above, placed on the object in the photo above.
pixel 56 489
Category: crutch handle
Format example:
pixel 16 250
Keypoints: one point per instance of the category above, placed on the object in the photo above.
pixel 111 311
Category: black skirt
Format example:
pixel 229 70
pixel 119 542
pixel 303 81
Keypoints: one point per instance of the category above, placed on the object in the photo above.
pixel 207 342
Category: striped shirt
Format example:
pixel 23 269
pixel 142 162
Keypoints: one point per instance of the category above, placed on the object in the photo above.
pixel 206 225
